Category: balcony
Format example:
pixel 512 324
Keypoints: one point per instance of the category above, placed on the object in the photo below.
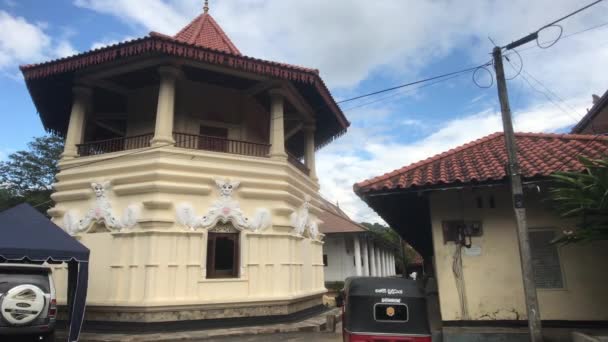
pixel 189 141
pixel 183 140
pixel 293 160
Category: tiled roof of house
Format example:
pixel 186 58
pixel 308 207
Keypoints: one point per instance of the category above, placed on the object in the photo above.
pixel 539 154
pixel 336 221
pixel 205 32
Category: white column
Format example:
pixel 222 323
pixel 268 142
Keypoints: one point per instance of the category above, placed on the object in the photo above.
pixel 383 258
pixel 391 264
pixel 357 247
pixel 378 263
pixel 365 258
pixel 277 126
pixel 309 157
pixel 165 108
pixel 75 133
pixel 373 262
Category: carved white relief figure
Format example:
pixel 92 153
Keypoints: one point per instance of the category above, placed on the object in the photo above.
pixel 302 221
pixel 101 212
pixel 225 209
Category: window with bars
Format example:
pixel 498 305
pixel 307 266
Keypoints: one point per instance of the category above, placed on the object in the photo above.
pixel 545 259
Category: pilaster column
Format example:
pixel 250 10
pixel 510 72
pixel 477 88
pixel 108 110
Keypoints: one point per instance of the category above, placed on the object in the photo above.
pixel 357 247
pixel 365 258
pixel 165 108
pixel 373 264
pixel 277 126
pixel 80 105
pixel 309 158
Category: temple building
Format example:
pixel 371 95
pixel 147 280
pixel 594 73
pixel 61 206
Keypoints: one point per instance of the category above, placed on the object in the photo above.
pixel 189 172
pixel 350 250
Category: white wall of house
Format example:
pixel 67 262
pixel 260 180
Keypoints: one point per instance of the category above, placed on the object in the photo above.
pixel 491 272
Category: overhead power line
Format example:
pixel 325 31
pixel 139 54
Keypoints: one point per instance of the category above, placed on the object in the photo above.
pixel 534 35
pixel 415 82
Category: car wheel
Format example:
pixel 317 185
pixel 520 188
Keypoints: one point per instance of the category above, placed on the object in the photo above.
pixel 22 304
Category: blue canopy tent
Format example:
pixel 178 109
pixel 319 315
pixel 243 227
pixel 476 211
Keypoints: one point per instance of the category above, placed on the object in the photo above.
pixel 26 234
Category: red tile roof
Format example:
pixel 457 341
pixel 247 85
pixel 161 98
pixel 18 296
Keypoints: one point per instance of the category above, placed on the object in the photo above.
pixel 204 31
pixel 202 40
pixel 336 221
pixel 539 154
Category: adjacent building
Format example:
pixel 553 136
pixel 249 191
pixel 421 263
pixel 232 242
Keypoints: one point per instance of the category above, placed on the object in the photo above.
pixel 350 249
pixel 189 172
pixel 596 119
pixel 455 209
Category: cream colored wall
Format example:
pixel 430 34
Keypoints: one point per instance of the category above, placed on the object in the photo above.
pixel 492 281
pixel 160 262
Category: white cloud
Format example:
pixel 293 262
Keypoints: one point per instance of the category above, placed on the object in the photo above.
pixel 27 43
pixel 107 42
pixel 349 40
pixel 64 49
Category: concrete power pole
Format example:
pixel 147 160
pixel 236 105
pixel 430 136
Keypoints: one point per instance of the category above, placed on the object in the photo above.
pixel 517 194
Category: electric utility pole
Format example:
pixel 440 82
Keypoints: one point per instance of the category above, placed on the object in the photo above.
pixel 517 194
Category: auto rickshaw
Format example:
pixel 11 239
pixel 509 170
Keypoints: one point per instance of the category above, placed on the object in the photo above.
pixel 384 309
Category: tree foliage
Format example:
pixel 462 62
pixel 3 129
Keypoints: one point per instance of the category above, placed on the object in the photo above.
pixel 583 196
pixel 28 175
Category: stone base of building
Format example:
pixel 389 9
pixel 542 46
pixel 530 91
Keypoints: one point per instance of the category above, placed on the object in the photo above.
pixel 216 311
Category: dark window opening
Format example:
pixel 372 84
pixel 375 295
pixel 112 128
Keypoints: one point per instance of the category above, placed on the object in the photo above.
pixel 223 255
pixel 492 202
pixel 479 202
pixel 324 259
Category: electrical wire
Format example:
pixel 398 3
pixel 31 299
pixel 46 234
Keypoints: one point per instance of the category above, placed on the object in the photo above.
pixel 568 35
pixel 413 83
pixel 534 35
pixel 401 93
pixel 544 94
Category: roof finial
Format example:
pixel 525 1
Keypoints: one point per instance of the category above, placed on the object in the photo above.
pixel 206 6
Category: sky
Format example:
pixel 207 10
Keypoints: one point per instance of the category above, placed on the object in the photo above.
pixel 359 47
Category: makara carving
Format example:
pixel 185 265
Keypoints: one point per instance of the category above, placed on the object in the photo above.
pixel 225 209
pixel 101 212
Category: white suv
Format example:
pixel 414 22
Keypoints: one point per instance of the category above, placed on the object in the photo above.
pixel 28 304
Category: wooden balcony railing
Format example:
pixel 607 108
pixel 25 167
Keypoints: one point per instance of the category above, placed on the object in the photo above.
pixel 114 145
pixel 298 163
pixel 208 143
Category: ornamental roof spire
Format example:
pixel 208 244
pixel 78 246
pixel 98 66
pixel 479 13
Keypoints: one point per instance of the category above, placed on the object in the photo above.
pixel 204 31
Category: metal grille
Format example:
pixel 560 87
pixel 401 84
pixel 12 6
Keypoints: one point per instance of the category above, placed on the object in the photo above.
pixel 545 260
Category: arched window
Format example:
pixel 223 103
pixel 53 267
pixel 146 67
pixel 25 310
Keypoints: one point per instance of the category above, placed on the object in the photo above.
pixel 223 252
